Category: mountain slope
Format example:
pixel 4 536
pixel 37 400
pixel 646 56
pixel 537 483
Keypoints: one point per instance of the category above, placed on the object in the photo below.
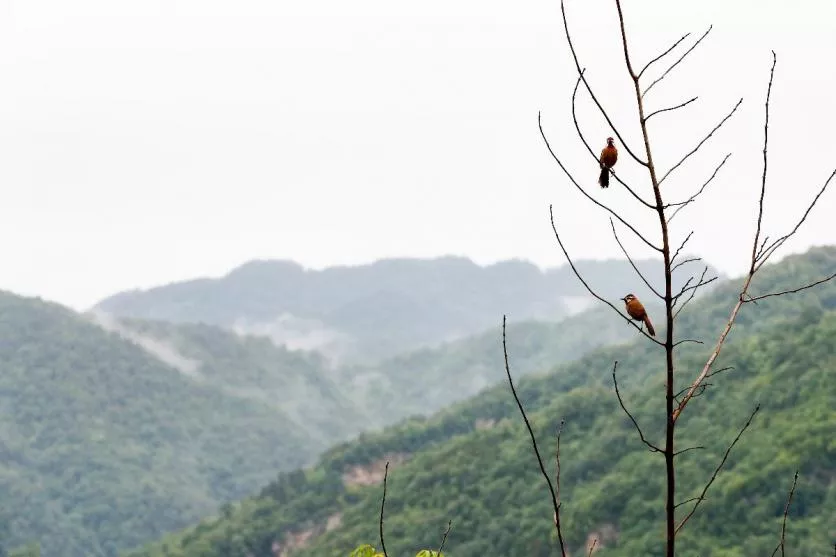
pixel 141 427
pixel 472 462
pixel 374 311
pixel 105 446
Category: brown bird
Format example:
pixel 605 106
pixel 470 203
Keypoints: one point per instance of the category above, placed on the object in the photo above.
pixel 609 156
pixel 637 312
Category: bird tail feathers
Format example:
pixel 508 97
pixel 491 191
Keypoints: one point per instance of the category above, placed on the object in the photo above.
pixel 604 178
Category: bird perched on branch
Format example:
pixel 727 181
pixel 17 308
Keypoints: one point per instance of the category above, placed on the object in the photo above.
pixel 637 312
pixel 609 156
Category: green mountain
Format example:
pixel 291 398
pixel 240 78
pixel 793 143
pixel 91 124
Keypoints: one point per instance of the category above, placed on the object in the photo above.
pixel 472 462
pixel 364 313
pixel 115 431
pixel 105 446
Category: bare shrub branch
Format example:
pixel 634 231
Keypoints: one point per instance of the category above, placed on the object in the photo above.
pixel 533 442
pixel 444 537
pixel 665 53
pixel 701 497
pixel 793 291
pixel 786 513
pixel 382 505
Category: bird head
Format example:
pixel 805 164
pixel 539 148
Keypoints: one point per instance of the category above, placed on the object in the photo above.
pixel 627 298
pixel 610 141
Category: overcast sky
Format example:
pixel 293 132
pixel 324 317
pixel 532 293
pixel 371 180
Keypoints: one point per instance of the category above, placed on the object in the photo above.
pixel 148 141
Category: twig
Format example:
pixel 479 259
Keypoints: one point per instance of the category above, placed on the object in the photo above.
pixel 533 442
pixel 701 498
pixel 444 538
pixel 755 252
pixel 591 93
pixel 630 259
pixel 557 470
pixel 577 185
pixel 589 288
pixel 682 204
pixel 682 38
pixel 675 64
pixel 698 447
pixel 661 110
pixel 793 291
pixel 592 153
pixel 652 447
pixel 684 262
pixel 382 504
pixel 765 255
pixel 784 522
pixel 685 502
pixel 682 245
pixel 592 547
pixel 701 143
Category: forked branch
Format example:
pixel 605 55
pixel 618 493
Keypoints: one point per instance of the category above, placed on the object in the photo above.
pixel 760 254
pixel 675 64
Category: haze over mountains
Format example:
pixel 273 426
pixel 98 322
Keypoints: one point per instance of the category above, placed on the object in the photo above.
pixel 364 313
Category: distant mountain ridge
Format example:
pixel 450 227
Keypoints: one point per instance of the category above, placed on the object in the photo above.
pixel 384 308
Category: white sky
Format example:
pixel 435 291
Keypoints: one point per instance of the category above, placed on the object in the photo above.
pixel 147 141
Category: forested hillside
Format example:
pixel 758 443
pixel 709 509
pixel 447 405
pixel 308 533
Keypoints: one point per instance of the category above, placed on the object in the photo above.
pixel 113 438
pixel 364 313
pixel 473 462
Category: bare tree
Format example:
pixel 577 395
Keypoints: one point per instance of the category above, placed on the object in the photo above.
pixel 664 212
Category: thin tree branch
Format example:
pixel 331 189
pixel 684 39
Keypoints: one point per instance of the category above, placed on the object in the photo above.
pixel 589 288
pixel 765 254
pixel 699 447
pixel 701 143
pixel 592 153
pixel 595 201
pixel 682 245
pixel 557 470
pixel 444 538
pixel 685 262
pixel 652 447
pixel 682 38
pixel 675 64
pixel 786 513
pixel 759 256
pixel 383 504
pixel 591 93
pixel 701 498
pixel 661 110
pixel 592 547
pixel 630 259
pixel 793 291
pixel 686 501
pixel 533 441
pixel 682 204
pixel 755 252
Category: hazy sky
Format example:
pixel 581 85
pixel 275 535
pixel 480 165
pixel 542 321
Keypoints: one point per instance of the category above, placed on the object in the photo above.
pixel 147 141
